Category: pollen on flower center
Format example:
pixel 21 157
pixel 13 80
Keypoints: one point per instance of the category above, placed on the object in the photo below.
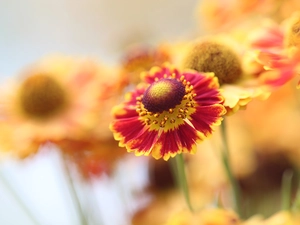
pixel 171 101
pixel 163 95
pixel 209 56
pixel 293 35
pixel 41 96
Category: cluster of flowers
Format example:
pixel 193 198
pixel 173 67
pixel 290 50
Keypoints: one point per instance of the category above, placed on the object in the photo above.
pixel 179 94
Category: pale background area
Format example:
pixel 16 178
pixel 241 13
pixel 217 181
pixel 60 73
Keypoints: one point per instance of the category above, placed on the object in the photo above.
pixel 30 29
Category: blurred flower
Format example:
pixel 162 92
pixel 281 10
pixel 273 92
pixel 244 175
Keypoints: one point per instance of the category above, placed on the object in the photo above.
pixel 220 15
pixel 226 58
pixel 142 58
pixel 277 50
pixel 93 158
pixel 181 107
pixel 96 152
pixel 56 98
pixel 279 218
pixel 213 216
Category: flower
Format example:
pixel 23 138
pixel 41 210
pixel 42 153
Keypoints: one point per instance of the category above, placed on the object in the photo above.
pixel 268 42
pixel 94 157
pixel 169 113
pixel 227 59
pixel 204 217
pixel 96 152
pixel 141 58
pixel 277 50
pixel 56 98
pixel 223 15
pixel 279 218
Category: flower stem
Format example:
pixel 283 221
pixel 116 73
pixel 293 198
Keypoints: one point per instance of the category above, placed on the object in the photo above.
pixel 286 190
pixel 182 181
pixel 73 192
pixel 296 203
pixel 17 198
pixel 226 162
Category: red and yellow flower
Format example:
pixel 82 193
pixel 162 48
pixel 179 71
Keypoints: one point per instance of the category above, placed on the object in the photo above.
pixel 277 50
pixel 168 113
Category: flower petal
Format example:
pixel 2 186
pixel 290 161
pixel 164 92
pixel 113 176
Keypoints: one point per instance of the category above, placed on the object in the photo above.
pixel 206 117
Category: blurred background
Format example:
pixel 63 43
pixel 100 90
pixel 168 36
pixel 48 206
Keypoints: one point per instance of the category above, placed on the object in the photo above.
pixel 94 27
pixel 99 28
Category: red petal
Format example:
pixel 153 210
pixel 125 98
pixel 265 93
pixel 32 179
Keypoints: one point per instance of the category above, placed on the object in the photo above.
pixel 205 117
pixel 144 142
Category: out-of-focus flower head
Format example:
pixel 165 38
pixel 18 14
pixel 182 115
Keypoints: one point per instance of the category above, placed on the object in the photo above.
pixel 277 50
pixel 220 15
pixel 279 218
pixel 141 58
pixel 168 113
pixel 96 153
pixel 93 158
pixel 226 58
pixel 56 98
pixel 213 216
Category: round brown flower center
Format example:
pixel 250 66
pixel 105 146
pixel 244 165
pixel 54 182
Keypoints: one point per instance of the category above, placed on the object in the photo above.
pixel 171 115
pixel 41 96
pixel 293 37
pixel 213 57
pixel 163 95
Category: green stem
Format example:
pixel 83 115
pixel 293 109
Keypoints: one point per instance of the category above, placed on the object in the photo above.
pixel 181 178
pixel 73 193
pixel 286 189
pixel 296 203
pixel 18 199
pixel 226 161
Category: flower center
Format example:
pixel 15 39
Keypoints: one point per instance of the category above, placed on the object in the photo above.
pixel 163 95
pixel 293 36
pixel 41 96
pixel 166 103
pixel 213 57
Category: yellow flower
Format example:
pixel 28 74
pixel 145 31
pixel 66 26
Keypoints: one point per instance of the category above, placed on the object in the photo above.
pixel 279 218
pixel 56 98
pixel 213 216
pixel 220 15
pixel 141 58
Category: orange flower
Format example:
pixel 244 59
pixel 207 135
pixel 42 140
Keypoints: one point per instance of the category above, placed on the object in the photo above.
pixel 223 15
pixel 56 98
pixel 279 218
pixel 142 58
pixel 204 217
